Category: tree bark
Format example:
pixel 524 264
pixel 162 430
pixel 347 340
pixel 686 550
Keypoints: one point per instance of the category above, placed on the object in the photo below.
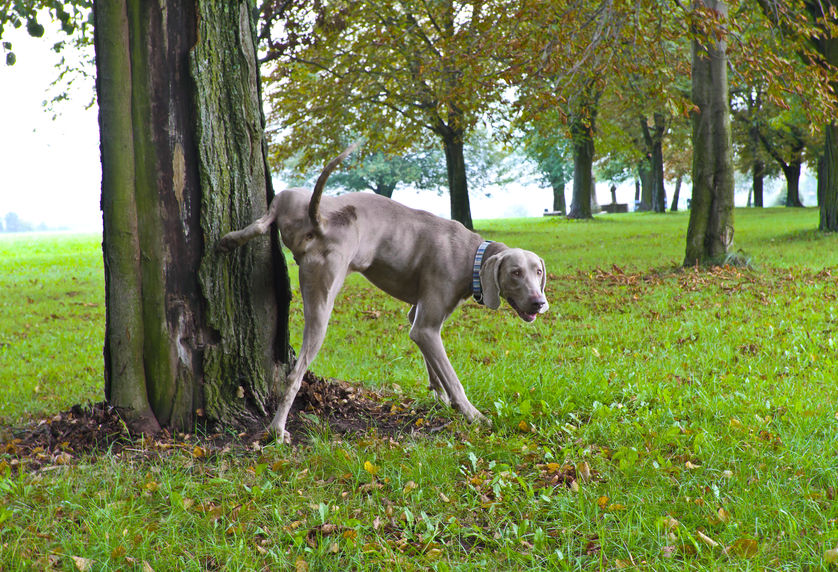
pixel 559 202
pixel 653 140
pixel 457 181
pixel 710 230
pixel 828 181
pixel 677 194
pixel 792 174
pixel 582 134
pixel 190 335
pixel 644 174
pixel 758 170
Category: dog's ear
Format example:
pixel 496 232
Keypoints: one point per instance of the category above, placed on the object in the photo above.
pixel 543 275
pixel 490 281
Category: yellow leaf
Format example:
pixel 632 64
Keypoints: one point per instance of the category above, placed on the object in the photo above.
pixel 583 471
pixel 199 452
pixel 831 556
pixel 670 523
pixel 433 554
pixel 82 564
pixel 616 507
pixel 689 465
pixel 744 547
pixel 574 486
pixel 350 534
pixel 410 486
pixel 602 501
pixel 524 427
pixel 553 467
pixel 724 515
pixel 301 565
pixel 370 468
pixel 706 539
pixel 735 423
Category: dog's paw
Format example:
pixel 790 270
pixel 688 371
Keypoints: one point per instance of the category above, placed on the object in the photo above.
pixel 276 435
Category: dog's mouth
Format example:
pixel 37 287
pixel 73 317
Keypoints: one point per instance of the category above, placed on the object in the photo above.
pixel 526 316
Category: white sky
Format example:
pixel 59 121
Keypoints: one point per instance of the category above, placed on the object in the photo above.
pixel 50 171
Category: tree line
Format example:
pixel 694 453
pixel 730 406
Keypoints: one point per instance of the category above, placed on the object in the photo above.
pixel 194 336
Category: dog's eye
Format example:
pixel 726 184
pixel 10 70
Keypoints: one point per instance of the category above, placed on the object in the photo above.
pixel 517 273
pixel 310 236
pixel 538 271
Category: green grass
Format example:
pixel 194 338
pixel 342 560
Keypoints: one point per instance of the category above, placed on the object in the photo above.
pixel 704 397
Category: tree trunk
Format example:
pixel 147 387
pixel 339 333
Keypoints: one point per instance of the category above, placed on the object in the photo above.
pixel 758 170
pixel 828 181
pixel 644 173
pixel 655 196
pixel 189 335
pixel 581 129
pixel 710 230
pixel 384 189
pixel 457 181
pixel 792 174
pixel 559 203
pixel 677 194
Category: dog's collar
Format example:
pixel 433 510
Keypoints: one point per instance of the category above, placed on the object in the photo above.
pixel 476 288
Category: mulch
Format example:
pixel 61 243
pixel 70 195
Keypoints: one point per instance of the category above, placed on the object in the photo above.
pixel 344 409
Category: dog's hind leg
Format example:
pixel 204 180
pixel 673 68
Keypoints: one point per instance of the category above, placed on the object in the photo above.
pixel 319 284
pixel 262 225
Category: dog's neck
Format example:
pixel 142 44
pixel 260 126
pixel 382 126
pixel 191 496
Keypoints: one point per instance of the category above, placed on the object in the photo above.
pixel 486 250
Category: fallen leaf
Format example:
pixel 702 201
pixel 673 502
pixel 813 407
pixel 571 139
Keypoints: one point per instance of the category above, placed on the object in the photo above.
pixel 82 564
pixel 831 556
pixel 670 523
pixel 583 471
pixel 724 516
pixel 524 427
pixel 602 501
pixel 301 565
pixel 744 547
pixel 370 468
pixel 706 539
pixel 409 487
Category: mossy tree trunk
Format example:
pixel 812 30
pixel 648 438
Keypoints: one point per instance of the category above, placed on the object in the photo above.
pixel 190 335
pixel 710 230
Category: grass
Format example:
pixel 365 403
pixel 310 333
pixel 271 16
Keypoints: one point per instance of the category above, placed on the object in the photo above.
pixel 696 412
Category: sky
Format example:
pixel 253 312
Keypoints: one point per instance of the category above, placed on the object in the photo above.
pixel 50 171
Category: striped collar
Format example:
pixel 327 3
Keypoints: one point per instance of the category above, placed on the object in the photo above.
pixel 476 288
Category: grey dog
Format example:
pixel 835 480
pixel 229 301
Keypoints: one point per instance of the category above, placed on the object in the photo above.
pixel 419 258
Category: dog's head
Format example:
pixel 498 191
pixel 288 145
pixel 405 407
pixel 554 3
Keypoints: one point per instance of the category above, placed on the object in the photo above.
pixel 519 277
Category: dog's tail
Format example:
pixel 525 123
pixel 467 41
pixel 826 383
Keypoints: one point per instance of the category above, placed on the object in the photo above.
pixel 314 204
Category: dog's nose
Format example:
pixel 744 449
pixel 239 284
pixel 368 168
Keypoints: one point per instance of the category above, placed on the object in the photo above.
pixel 538 305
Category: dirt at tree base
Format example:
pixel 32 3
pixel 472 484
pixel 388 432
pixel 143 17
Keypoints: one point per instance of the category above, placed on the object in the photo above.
pixel 340 407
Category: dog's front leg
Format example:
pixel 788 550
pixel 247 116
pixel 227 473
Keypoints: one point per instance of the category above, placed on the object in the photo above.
pixel 433 381
pixel 320 283
pixel 425 332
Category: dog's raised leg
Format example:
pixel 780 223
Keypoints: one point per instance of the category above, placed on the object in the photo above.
pixel 319 284
pixel 425 332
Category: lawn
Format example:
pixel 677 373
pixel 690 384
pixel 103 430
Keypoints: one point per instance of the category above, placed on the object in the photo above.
pixel 656 418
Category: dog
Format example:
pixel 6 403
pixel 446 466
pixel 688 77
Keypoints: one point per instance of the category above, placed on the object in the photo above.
pixel 429 262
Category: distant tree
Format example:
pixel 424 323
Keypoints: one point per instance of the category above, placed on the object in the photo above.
pixel 677 154
pixel 381 173
pixel 807 28
pixel 15 224
pixel 546 145
pixel 393 72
